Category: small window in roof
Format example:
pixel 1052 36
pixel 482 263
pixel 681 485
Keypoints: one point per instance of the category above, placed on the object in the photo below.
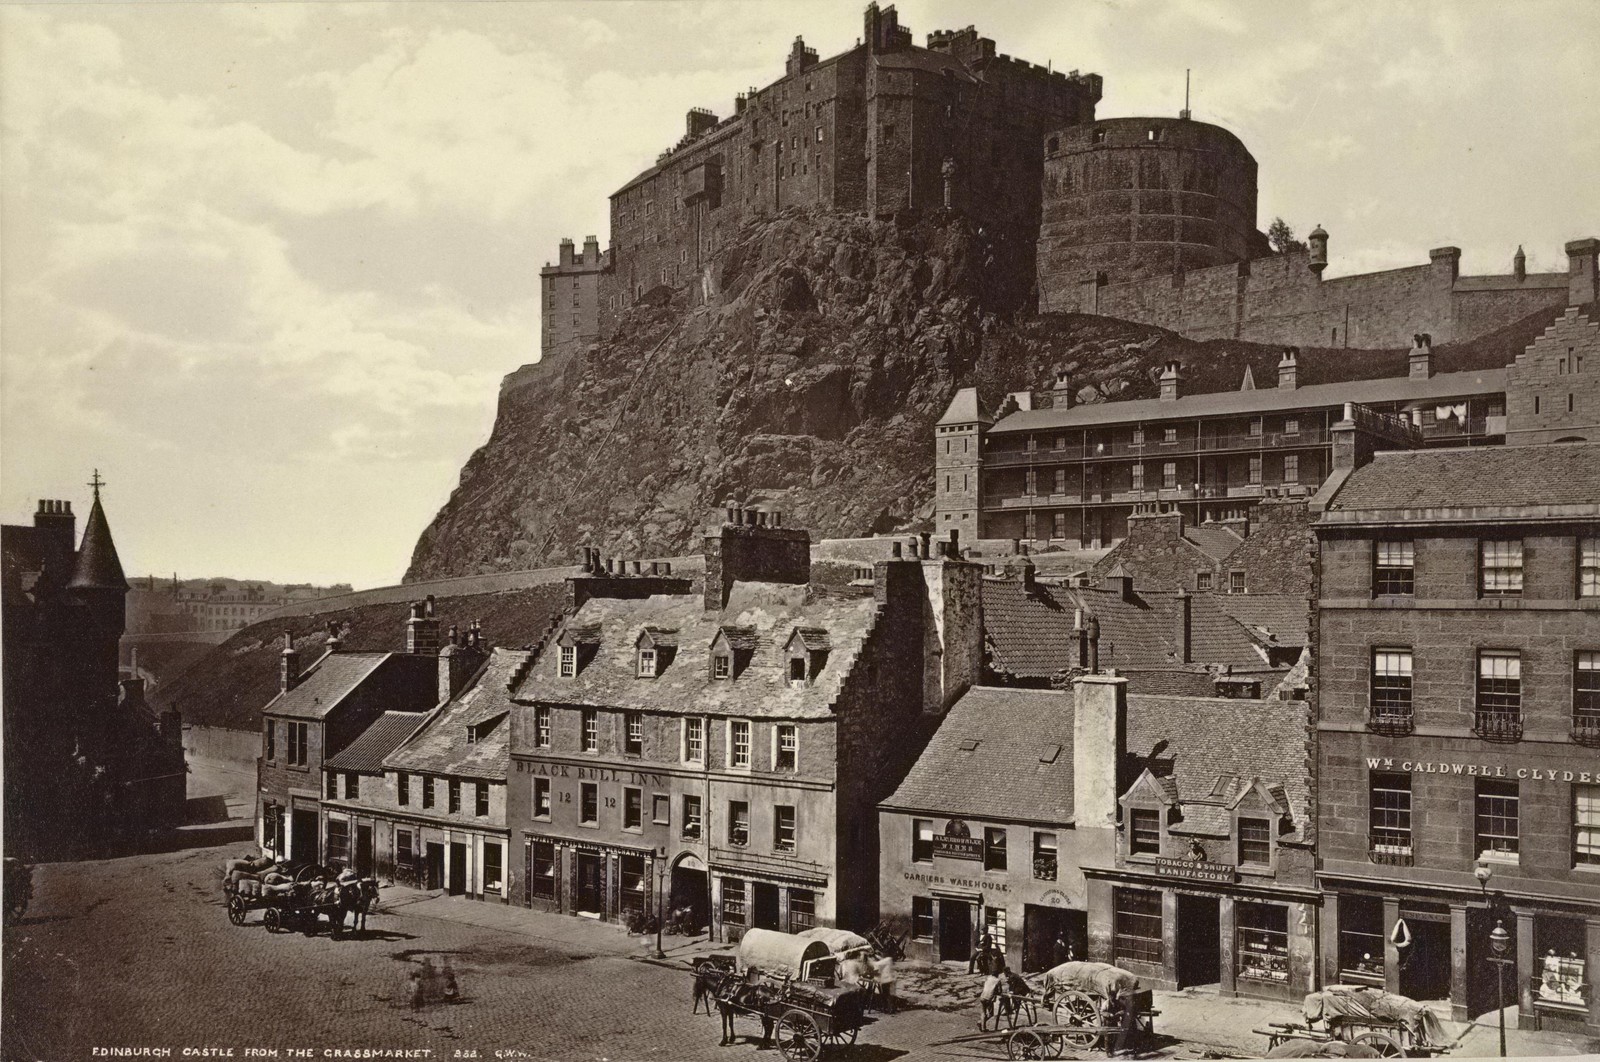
pixel 969 744
pixel 1049 753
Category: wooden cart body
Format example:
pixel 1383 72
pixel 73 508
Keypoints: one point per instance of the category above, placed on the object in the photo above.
pixel 1393 1026
pixel 806 1018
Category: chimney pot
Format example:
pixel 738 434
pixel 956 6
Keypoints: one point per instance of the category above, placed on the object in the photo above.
pixel 925 538
pixel 749 518
pixel 666 567
pixel 894 550
pixel 638 568
pixel 777 518
pixel 761 518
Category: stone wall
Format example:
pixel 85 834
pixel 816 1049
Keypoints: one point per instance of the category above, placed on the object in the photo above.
pixel 1553 388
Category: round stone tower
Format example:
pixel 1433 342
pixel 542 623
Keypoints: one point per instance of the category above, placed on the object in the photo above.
pixel 1141 197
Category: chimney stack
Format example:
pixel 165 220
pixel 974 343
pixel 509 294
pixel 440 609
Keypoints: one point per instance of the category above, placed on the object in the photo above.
pixel 422 630
pixel 1519 264
pixel 289 665
pixel 1183 626
pixel 1094 646
pixel 1099 746
pixel 750 547
pixel 335 643
pixel 1171 382
pixel 925 539
pixel 1421 359
pixel 1287 368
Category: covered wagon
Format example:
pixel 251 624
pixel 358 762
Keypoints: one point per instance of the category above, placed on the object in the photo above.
pixel 790 955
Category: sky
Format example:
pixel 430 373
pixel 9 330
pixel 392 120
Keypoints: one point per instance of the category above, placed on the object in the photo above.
pixel 264 265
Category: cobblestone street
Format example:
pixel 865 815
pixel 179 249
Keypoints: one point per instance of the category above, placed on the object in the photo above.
pixel 138 952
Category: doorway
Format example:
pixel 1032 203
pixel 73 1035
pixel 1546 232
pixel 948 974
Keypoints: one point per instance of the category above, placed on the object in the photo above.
pixel 590 895
pixel 458 868
pixel 364 850
pixel 955 931
pixel 1199 949
pixel 764 911
pixel 1425 963
pixel 435 866
pixel 689 891
pixel 303 837
pixel 1052 936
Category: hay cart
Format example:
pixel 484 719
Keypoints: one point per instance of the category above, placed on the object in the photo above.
pixel 1392 1026
pixel 1093 1002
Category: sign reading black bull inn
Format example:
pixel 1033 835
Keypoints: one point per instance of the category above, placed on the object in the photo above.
pixel 957 842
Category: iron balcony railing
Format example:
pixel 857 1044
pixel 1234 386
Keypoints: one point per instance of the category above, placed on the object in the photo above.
pixel 1498 725
pixel 1390 855
pixel 1586 728
pixel 1390 719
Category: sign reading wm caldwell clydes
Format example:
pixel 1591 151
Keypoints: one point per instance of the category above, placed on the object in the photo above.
pixel 1194 869
pixel 957 842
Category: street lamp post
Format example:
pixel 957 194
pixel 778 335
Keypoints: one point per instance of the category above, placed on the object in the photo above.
pixel 661 874
pixel 1499 941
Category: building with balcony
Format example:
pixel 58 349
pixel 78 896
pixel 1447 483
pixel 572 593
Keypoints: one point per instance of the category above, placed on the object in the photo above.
pixel 724 750
pixel 1457 689
pixel 1074 475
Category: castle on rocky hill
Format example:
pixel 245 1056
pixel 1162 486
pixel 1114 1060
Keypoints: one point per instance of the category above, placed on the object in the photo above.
pixel 1150 220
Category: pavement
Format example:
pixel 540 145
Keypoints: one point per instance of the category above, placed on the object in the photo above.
pixel 137 952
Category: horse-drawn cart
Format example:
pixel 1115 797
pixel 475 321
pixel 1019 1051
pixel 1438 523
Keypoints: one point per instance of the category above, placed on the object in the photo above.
pixel 787 983
pixel 1389 1025
pixel 1091 1001
pixel 287 903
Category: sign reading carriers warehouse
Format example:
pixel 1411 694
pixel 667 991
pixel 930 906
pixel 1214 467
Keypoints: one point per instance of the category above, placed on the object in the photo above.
pixel 1195 870
pixel 957 842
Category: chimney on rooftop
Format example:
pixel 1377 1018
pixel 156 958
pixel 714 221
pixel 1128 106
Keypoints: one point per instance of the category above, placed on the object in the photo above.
pixel 1182 626
pixel 422 629
pixel 753 549
pixel 1287 368
pixel 289 665
pixel 1171 382
pixel 1099 746
pixel 55 524
pixel 335 642
pixel 1421 358
pixel 1094 645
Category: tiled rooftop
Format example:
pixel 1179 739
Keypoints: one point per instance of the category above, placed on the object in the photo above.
pixel 1486 477
pixel 366 752
pixel 442 746
pixel 325 685
pixel 768 614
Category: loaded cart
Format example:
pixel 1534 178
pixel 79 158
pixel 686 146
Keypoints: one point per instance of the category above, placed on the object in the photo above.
pixel 1390 1025
pixel 1092 1001
pixel 786 982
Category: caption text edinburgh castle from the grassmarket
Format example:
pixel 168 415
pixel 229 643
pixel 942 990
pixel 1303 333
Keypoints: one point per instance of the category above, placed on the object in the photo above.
pixel 954 581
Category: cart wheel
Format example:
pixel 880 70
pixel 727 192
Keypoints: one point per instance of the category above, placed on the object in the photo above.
pixel 1025 1043
pixel 236 911
pixel 273 920
pixel 1077 1009
pixel 840 1037
pixel 1384 1044
pixel 798 1038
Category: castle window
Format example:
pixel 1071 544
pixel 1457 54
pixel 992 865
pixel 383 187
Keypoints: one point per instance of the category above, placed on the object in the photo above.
pixel 1152 134
pixel 819 134
pixel 1099 136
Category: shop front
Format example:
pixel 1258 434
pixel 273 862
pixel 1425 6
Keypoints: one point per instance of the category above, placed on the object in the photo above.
pixel 1191 924
pixel 608 882
pixel 747 897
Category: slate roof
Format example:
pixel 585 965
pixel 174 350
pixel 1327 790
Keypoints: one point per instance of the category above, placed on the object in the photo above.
pixel 1485 477
pixel 1243 403
pixel 1002 776
pixel 366 753
pixel 98 566
pixel 1172 682
pixel 442 746
pixel 964 409
pixel 770 612
pixel 328 682
pixel 1028 635
pixel 1286 617
pixel 1214 540
pixel 1197 741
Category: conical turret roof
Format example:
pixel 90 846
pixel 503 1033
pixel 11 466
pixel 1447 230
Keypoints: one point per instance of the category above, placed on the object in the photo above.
pixel 98 567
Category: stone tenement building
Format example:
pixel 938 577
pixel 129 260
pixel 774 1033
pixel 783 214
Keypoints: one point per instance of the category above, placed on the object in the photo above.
pixel 883 127
pixel 570 302
pixel 1457 689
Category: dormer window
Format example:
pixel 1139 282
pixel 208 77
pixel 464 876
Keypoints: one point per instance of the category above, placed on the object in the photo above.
pixel 569 661
pixel 647 663
pixel 577 647
pixel 731 650
pixel 798 669
pixel 807 653
pixel 655 647
pixel 722 666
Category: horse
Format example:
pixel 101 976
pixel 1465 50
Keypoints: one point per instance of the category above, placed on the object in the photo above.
pixel 707 982
pixel 357 899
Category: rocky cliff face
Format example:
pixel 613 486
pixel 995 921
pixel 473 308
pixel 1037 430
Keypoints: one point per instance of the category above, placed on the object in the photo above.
pixel 810 382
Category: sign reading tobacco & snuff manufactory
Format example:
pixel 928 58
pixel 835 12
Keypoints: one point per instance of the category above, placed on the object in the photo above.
pixel 957 842
pixel 1195 870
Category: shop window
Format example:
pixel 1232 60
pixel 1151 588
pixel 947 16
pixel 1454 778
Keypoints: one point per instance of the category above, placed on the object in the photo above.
pixel 493 868
pixel 632 887
pixel 1144 832
pixel 591 730
pixel 921 918
pixel 1561 969
pixel 738 823
pixel 1044 856
pixel 541 798
pixel 994 926
pixel 1389 817
pixel 1586 825
pixel 786 752
pixel 542 870
pixel 402 783
pixel 589 804
pixel 1495 819
pixel 922 840
pixel 633 737
pixel 480 799
pixel 541 727
pixel 1255 842
pixel 1361 940
pixel 994 848
pixel 802 910
pixel 733 891
pixel 1499 707
pixel 1589 566
pixel 1394 569
pixel 1500 567
pixel 691 818
pixel 1136 926
pixel 783 828
pixel 404 856
pixel 1262 933
pixel 338 842
pixel 632 809
pixel 1389 693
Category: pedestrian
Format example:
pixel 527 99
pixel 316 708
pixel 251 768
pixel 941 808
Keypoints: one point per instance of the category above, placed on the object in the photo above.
pixel 1122 1012
pixel 1062 951
pixel 980 957
pixel 883 974
pixel 415 990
